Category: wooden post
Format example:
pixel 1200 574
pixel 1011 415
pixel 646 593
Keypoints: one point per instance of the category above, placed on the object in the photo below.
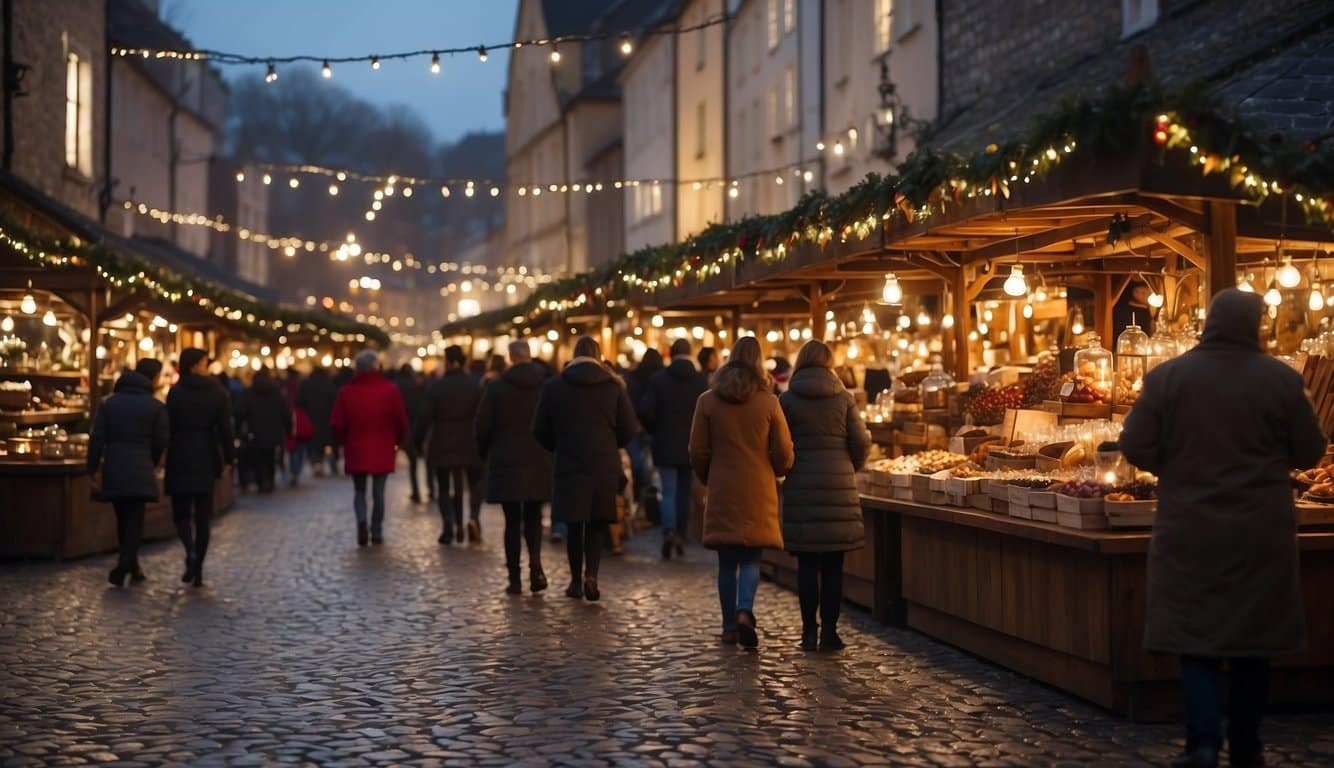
pixel 817 311
pixel 95 306
pixel 962 324
pixel 736 324
pixel 1103 305
pixel 1221 246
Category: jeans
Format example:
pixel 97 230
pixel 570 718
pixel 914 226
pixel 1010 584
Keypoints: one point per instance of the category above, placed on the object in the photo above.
pixel 583 548
pixel 523 524
pixel 638 463
pixel 197 508
pixel 453 481
pixel 677 497
pixel 296 459
pixel 377 500
pixel 129 531
pixel 1248 692
pixel 737 592
pixel 413 460
pixel 820 588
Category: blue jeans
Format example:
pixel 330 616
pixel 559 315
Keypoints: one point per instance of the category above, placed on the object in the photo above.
pixel 638 463
pixel 377 500
pixel 737 594
pixel 677 494
pixel 296 459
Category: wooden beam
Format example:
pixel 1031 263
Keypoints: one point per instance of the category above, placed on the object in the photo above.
pixel 1014 245
pixel 962 322
pixel 1178 247
pixel 1221 246
pixel 816 305
pixel 1169 208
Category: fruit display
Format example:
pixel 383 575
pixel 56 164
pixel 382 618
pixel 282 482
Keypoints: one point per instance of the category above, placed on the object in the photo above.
pixel 1044 384
pixel 1083 489
pixel 925 463
pixel 988 406
pixel 1129 382
pixel 1137 491
pixel 1086 389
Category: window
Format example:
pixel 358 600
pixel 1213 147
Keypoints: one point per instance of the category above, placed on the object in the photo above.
pixel 773 24
pixel 701 130
pixel 701 48
pixel 884 24
pixel 772 104
pixel 790 97
pixel 78 113
pixel 1137 16
pixel 905 18
pixel 842 50
pixel 789 15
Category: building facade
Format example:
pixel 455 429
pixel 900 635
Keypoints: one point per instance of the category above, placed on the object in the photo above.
pixel 648 85
pixel 701 103
pixel 55 121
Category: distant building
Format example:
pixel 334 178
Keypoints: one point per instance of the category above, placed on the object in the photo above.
pixel 245 204
pixel 701 104
pixel 166 123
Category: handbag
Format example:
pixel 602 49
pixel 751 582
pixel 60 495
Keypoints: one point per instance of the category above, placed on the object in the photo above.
pixel 303 429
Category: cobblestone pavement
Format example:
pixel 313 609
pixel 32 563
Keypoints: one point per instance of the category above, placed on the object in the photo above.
pixel 303 648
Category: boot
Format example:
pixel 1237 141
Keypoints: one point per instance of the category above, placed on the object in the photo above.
pixel 537 580
pixel 745 629
pixel 474 531
pixel 446 535
pixel 679 542
pixel 829 639
pixel 516 585
pixel 189 574
pixel 197 578
pixel 117 576
pixel 667 546
pixel 591 593
pixel 575 591
pixel 363 535
pixel 808 637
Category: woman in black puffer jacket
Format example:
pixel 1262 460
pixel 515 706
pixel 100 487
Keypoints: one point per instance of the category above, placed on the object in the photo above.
pixel 822 513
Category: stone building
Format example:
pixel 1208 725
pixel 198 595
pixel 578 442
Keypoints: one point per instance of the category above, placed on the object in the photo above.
pixel 55 100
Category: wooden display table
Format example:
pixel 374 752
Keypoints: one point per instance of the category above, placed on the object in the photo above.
pixel 49 514
pixel 1066 606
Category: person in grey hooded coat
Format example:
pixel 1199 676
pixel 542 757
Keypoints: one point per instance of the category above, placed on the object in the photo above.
pixel 821 509
pixel 1222 426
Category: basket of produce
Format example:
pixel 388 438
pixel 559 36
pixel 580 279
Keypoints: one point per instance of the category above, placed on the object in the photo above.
pixel 1050 458
pixel 987 407
pixel 1131 506
pixel 1080 505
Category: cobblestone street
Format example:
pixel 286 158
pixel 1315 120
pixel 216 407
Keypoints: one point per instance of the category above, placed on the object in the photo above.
pixel 303 648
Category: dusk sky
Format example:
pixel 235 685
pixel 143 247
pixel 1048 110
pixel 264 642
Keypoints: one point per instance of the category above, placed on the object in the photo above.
pixel 464 97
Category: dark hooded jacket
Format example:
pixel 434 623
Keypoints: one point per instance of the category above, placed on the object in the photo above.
pixel 128 438
pixel 636 381
pixel 822 510
pixel 316 397
pixel 739 447
pixel 264 413
pixel 1222 426
pixel 584 417
pixel 413 393
pixel 518 468
pixel 200 413
pixel 667 409
pixel 447 415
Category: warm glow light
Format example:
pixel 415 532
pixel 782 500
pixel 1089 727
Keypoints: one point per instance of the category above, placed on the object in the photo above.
pixel 333 189
pixel 1245 285
pixel 1028 311
pixel 553 334
pixel 923 318
pixel 1272 297
pixel 555 54
pixel 435 63
pixel 656 321
pixel 375 62
pixel 1288 275
pixel 326 70
pixel 627 47
pixel 240 176
pixel 1015 284
pixel 469 308
pixel 28 305
pixel 947 322
pixel 1155 300
pixel 1315 302
pixel 146 344
pixel 892 293
pixel 49 319
pixel 7 325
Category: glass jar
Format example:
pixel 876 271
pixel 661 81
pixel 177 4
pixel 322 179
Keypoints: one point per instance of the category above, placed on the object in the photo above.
pixel 936 388
pixel 1110 466
pixel 884 407
pixel 1133 350
pixel 1092 374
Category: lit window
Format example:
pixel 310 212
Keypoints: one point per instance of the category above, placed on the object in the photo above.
pixel 1137 15
pixel 773 24
pixel 884 24
pixel 78 114
pixel 789 15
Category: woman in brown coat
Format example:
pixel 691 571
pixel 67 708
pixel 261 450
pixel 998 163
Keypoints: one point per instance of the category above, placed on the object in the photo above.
pixel 739 438
pixel 822 513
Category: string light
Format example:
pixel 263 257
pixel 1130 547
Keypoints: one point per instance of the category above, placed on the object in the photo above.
pixel 435 63
pixel 333 189
pixel 1015 284
pixel 375 62
pixel 240 176
pixel 326 70
pixel 481 53
pixel 1288 275
pixel 627 47
pixel 892 292
pixel 555 53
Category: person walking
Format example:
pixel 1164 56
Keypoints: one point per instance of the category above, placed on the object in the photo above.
pixel 412 392
pixel 369 421
pixel 636 383
pixel 585 418
pixel 268 422
pixel 199 413
pixel 821 508
pixel 302 431
pixel 447 416
pixel 518 468
pixel 1223 579
pixel 667 410
pixel 739 447
pixel 128 438
pixel 708 360
pixel 316 397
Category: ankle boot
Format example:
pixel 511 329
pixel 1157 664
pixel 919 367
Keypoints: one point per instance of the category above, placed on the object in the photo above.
pixel 515 585
pixel 829 639
pixel 189 574
pixel 537 580
pixel 809 635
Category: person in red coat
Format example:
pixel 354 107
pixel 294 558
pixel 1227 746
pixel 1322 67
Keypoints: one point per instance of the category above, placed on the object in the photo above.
pixel 370 422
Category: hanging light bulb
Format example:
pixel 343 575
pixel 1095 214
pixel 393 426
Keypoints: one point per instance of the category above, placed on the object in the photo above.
pixel 240 176
pixel 146 344
pixel 1028 311
pixel 271 74
pixel 294 182
pixel 1272 297
pixel 1077 322
pixel 326 70
pixel 49 319
pixel 627 47
pixel 1316 301
pixel 867 315
pixel 1245 284
pixel 555 54
pixel 333 189
pixel 838 148
pixel 892 293
pixel 947 322
pixel 1155 299
pixel 1015 284
pixel 29 305
pixel 481 54
pixel 444 191
pixel 375 62
pixel 923 318
pixel 1288 274
pixel 267 179
pixel 7 325
pixel 435 63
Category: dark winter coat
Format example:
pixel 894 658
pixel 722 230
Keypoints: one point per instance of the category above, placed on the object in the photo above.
pixel 667 409
pixel 267 419
pixel 370 423
pixel 584 417
pixel 739 447
pixel 413 393
pixel 316 397
pixel 518 468
pixel 822 510
pixel 1222 426
pixel 128 438
pixel 199 411
pixel 447 416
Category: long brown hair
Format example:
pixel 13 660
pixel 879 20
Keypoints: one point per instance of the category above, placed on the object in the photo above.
pixel 744 373
pixel 814 354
